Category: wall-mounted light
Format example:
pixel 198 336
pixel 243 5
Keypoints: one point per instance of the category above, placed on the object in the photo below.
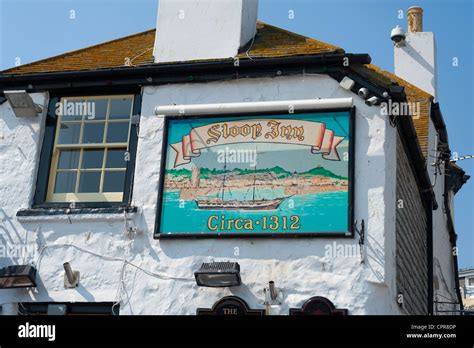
pixel 218 274
pixel 71 278
pixel 22 104
pixel 347 83
pixel 19 276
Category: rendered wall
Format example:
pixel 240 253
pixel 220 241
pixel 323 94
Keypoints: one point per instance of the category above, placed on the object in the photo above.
pixel 157 276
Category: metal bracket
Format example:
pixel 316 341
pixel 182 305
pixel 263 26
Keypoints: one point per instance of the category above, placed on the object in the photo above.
pixel 135 119
pixel 361 233
pixel 75 283
pixel 268 299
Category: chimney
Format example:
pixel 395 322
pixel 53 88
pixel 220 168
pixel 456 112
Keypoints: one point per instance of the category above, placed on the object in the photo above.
pixel 203 29
pixel 415 59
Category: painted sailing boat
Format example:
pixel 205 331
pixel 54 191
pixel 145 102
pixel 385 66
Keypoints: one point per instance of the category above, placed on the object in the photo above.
pixel 253 204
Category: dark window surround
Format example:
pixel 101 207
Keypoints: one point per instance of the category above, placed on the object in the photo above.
pixel 40 206
pixel 76 308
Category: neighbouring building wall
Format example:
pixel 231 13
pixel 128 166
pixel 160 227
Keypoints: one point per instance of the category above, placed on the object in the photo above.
pixel 443 261
pixel 156 276
pixel 411 238
pixel 467 290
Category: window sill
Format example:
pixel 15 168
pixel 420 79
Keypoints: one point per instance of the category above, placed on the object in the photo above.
pixel 78 214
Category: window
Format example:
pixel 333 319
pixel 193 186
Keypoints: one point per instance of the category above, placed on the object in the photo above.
pixel 88 151
pixel 470 281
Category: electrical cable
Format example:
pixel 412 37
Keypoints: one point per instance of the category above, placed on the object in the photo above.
pixel 138 55
pixel 110 258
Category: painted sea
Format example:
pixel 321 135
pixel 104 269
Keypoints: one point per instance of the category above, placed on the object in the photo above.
pixel 319 212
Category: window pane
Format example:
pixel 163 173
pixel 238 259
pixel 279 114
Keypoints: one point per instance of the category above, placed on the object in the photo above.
pixel 117 132
pixel 116 158
pixel 72 109
pixel 120 108
pixel 93 133
pixel 65 182
pixel 97 108
pixel 89 182
pixel 69 133
pixel 92 158
pixel 114 181
pixel 68 159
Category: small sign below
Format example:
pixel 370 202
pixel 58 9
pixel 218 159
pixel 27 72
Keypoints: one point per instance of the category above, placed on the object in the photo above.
pixel 230 305
pixel 318 306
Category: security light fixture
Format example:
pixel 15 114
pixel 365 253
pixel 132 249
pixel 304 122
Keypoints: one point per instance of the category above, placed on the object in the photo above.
pixel 218 274
pixel 71 278
pixel 18 276
pixel 398 36
pixel 363 93
pixel 347 83
pixel 22 104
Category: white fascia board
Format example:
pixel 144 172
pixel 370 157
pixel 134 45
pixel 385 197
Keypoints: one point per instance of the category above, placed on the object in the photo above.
pixel 267 106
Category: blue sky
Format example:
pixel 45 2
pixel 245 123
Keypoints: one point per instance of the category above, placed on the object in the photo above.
pixel 36 29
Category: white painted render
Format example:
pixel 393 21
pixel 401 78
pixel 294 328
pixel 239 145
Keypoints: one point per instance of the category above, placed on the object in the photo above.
pixel 415 61
pixel 158 274
pixel 223 27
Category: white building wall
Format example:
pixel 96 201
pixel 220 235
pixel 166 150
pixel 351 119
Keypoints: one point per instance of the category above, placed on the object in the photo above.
pixel 157 276
pixel 415 61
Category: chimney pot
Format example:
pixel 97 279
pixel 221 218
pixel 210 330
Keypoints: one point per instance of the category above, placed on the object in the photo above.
pixel 415 19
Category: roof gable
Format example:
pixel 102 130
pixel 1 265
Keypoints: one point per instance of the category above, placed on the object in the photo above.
pixel 270 41
pixel 137 50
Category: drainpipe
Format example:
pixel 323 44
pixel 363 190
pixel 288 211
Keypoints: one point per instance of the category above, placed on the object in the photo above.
pixel 429 252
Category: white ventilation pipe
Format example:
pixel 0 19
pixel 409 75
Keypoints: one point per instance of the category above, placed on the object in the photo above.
pixel 267 106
